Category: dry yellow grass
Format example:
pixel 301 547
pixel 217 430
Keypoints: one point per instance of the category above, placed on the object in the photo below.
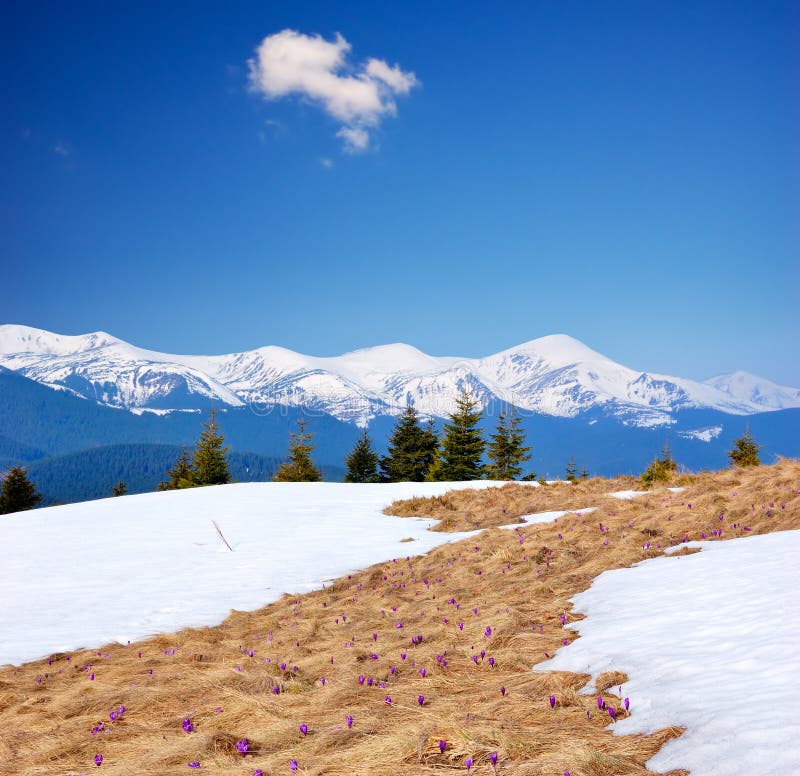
pixel 515 582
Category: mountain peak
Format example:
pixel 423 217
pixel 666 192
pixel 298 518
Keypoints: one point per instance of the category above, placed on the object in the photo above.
pixel 15 338
pixel 554 375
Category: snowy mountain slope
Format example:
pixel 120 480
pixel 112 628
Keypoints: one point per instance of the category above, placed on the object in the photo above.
pixel 554 375
pixel 756 390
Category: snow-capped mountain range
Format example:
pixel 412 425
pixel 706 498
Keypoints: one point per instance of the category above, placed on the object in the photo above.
pixel 553 375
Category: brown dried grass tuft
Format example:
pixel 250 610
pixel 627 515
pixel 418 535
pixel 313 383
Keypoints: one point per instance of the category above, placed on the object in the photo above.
pixel 526 579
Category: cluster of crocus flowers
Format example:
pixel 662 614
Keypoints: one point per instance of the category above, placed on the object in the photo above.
pixel 188 725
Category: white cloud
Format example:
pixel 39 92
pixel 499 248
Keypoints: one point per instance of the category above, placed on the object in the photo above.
pixel 355 139
pixel 291 63
pixel 326 163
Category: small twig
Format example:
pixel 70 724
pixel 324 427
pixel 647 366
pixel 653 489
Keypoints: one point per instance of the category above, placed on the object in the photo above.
pixel 219 533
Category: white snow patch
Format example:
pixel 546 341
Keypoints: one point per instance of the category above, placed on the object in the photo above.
pixel 703 434
pixel 547 517
pixel 628 494
pixel 709 643
pixel 82 575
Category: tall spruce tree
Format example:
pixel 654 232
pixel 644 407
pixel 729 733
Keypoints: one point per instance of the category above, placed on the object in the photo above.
pixel 18 492
pixel 462 444
pixel 210 465
pixel 506 451
pixel 412 449
pixel 299 467
pixel 745 451
pixel 362 462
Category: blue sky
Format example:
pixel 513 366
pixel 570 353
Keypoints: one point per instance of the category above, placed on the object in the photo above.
pixel 626 173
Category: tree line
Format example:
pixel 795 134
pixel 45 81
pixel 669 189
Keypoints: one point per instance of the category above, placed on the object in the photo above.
pixel 415 453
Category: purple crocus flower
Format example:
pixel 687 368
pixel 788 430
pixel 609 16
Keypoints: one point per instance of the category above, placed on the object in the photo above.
pixel 188 727
pixel 552 701
pixel 361 678
pixel 194 764
pixel 468 763
pixel 349 720
pixel 98 760
pixel 502 690
pixel 612 713
pixel 304 729
pixel 243 746
pixel 601 704
pixel 491 662
pixel 493 758
pixel 420 699
pixel 292 765
pixel 442 746
pixel 258 772
pixel 627 703
pixel 422 672
pixel 388 700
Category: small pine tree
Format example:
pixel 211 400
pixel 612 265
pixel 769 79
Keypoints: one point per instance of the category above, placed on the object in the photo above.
pixel 210 465
pixel 362 462
pixel 18 492
pixel 299 467
pixel 571 472
pixel 506 450
pixel 462 443
pixel 411 451
pixel 745 451
pixel 181 475
pixel 584 473
pixel 120 489
pixel 661 469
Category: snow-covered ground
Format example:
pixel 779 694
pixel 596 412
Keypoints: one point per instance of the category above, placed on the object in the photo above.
pixel 82 575
pixel 710 642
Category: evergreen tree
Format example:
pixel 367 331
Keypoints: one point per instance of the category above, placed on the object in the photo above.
pixel 462 443
pixel 584 473
pixel 506 450
pixel 661 469
pixel 210 465
pixel 362 462
pixel 18 492
pixel 412 449
pixel 181 475
pixel 299 467
pixel 120 489
pixel 745 451
pixel 571 472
